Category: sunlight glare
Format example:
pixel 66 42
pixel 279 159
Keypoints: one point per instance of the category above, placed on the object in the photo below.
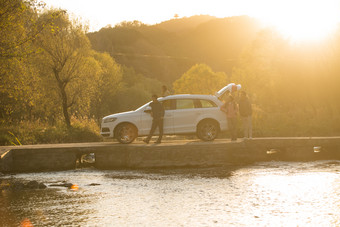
pixel 300 20
pixel 303 20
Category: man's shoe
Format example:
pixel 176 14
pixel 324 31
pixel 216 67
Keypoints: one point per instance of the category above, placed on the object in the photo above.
pixel 157 142
pixel 146 141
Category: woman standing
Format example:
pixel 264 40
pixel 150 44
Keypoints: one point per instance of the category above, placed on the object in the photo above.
pixel 231 109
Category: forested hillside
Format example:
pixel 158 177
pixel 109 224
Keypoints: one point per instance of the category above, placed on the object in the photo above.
pixel 58 81
pixel 166 50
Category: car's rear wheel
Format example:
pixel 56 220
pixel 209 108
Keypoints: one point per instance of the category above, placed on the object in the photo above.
pixel 207 130
pixel 126 133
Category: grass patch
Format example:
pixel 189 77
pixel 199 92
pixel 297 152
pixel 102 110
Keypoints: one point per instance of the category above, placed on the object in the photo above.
pixel 27 132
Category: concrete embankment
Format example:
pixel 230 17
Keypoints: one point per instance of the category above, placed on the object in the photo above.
pixel 168 154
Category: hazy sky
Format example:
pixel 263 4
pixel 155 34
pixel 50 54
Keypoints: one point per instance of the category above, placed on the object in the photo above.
pixel 288 15
pixel 103 12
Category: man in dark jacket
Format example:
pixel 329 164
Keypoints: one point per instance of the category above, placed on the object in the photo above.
pixel 246 113
pixel 157 113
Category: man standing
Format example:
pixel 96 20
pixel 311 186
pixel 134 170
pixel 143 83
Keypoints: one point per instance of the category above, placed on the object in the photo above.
pixel 157 113
pixel 246 112
pixel 165 91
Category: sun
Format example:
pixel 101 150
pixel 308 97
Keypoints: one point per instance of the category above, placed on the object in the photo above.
pixel 302 20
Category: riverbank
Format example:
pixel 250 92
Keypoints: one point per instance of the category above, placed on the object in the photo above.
pixel 171 153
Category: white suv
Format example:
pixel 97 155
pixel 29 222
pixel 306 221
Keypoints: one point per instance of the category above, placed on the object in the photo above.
pixel 184 114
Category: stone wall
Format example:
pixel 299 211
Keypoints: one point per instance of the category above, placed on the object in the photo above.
pixel 5 160
pixel 215 153
pixel 34 160
pixel 169 154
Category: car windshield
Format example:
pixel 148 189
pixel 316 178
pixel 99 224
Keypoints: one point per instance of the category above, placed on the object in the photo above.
pixel 146 104
pixel 142 107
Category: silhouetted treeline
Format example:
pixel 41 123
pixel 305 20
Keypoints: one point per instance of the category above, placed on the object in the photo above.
pixel 166 50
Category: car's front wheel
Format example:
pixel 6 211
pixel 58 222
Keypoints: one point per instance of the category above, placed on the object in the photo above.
pixel 207 130
pixel 126 133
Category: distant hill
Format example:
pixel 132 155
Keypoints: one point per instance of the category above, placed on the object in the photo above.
pixel 184 24
pixel 166 50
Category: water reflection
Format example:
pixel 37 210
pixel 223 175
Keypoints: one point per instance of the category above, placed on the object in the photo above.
pixel 26 223
pixel 263 194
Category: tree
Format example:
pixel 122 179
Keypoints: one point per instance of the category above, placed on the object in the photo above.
pixel 133 91
pixel 19 26
pixel 65 55
pixel 109 81
pixel 258 70
pixel 18 90
pixel 200 79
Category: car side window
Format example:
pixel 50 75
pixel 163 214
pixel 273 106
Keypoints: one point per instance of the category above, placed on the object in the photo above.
pixel 197 103
pixel 207 103
pixel 185 104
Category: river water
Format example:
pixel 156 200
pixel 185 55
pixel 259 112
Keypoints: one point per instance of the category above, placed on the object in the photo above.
pixel 260 194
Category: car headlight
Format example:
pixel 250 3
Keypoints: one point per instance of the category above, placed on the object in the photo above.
pixel 110 119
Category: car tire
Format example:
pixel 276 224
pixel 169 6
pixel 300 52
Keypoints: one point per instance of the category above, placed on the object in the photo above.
pixel 207 130
pixel 126 133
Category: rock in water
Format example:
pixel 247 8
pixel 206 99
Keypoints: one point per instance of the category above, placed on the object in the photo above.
pixel 32 185
pixel 42 186
pixel 67 185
